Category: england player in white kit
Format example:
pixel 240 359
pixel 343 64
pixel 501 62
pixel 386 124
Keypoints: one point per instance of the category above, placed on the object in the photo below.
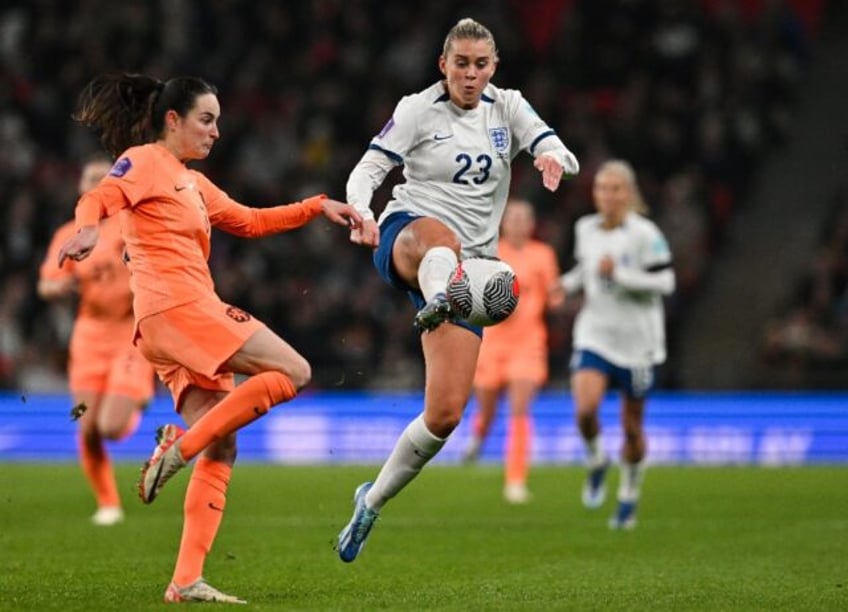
pixel 624 270
pixel 456 141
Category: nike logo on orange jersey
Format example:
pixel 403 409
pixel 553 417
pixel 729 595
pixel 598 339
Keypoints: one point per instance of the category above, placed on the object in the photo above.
pixel 181 187
pixel 214 507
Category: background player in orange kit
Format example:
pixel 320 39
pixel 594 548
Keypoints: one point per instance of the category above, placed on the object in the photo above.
pixel 195 341
pixel 106 373
pixel 513 357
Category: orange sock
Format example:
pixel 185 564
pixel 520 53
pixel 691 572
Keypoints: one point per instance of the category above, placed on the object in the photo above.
pixel 203 510
pixel 518 449
pixel 249 401
pixel 98 471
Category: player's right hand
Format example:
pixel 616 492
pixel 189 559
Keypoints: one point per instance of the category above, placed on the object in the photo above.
pixel 80 245
pixel 367 234
pixel 341 213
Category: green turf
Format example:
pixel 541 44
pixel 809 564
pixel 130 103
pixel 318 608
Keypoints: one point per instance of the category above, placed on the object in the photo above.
pixel 708 539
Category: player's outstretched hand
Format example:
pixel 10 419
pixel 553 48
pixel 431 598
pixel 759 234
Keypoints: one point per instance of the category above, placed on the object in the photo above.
pixel 551 171
pixel 341 213
pixel 368 234
pixel 80 245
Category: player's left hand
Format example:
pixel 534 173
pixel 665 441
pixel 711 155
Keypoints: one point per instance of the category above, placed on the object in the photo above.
pixel 366 235
pixel 341 213
pixel 80 245
pixel 551 171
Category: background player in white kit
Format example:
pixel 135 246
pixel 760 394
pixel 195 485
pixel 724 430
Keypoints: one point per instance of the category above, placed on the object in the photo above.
pixel 456 140
pixel 624 269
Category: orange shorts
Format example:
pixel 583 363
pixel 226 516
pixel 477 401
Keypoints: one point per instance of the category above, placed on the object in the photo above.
pixel 104 361
pixel 500 364
pixel 189 344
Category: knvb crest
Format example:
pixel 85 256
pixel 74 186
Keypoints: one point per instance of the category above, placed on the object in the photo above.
pixel 500 139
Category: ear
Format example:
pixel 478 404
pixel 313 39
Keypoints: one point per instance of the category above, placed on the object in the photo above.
pixel 172 119
pixel 443 65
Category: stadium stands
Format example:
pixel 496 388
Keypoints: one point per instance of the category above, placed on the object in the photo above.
pixel 694 94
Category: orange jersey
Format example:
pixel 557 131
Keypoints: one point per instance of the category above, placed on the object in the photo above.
pixel 536 267
pixel 104 281
pixel 167 212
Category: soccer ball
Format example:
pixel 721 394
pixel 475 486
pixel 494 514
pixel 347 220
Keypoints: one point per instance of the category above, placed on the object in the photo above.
pixel 483 290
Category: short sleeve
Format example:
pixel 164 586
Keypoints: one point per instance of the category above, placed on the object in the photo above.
pixel 133 174
pixel 399 134
pixel 527 126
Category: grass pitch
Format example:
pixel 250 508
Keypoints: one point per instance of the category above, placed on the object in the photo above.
pixel 708 539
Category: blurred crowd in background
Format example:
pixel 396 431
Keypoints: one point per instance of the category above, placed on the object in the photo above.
pixel 810 332
pixel 694 94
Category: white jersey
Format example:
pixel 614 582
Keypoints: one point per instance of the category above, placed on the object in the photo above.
pixel 457 163
pixel 622 318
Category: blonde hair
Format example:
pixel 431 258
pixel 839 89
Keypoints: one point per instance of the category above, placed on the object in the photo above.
pixel 624 169
pixel 469 29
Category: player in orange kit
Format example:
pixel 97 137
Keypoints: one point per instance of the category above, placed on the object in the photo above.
pixel 107 374
pixel 514 354
pixel 195 341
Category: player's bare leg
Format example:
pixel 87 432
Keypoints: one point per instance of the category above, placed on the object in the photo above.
pixel 632 463
pixel 450 356
pixel 588 389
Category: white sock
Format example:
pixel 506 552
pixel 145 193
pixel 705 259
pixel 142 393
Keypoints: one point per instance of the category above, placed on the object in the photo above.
pixel 595 452
pixel 632 475
pixel 434 271
pixel 414 448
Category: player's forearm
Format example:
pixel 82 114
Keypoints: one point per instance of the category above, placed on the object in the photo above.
pixel 103 201
pixel 89 211
pixel 662 281
pixel 258 222
pixel 364 179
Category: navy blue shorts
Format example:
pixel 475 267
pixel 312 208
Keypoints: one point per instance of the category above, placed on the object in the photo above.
pixel 389 230
pixel 635 382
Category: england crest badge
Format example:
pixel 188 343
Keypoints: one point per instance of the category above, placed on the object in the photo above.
pixel 500 139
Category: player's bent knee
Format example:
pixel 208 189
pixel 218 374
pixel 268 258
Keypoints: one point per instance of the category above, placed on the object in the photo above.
pixel 224 450
pixel 300 373
pixel 444 420
pixel 426 233
pixel 113 431
pixel 451 241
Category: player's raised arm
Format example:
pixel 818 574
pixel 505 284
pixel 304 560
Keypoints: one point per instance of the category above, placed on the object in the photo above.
pixel 368 174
